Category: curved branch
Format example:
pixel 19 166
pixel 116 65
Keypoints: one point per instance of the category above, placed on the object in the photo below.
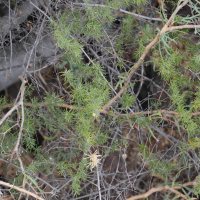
pixel 172 189
pixel 141 59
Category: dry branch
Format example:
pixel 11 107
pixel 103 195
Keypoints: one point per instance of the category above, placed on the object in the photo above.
pixel 64 105
pixel 21 190
pixel 166 187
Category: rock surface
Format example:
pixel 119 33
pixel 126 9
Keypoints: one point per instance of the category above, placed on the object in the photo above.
pixel 25 40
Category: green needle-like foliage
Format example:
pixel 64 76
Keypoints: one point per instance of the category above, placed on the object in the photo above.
pixel 89 36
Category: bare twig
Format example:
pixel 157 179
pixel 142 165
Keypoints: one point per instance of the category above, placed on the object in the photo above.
pixel 153 190
pixel 166 187
pixel 182 27
pixel 43 81
pixel 21 101
pixel 21 190
pixel 47 65
pixel 9 112
pixel 140 17
pixel 17 104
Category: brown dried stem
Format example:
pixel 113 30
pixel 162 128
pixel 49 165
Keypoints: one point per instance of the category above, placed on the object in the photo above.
pixel 21 190
pixel 104 111
pixel 166 187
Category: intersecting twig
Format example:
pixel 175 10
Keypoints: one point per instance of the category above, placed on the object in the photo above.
pixel 20 103
pixel 22 90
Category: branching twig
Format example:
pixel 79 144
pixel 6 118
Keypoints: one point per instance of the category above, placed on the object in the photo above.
pixel 21 101
pixel 22 90
pixel 166 28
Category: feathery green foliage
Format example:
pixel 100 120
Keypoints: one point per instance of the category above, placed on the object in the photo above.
pixel 91 90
